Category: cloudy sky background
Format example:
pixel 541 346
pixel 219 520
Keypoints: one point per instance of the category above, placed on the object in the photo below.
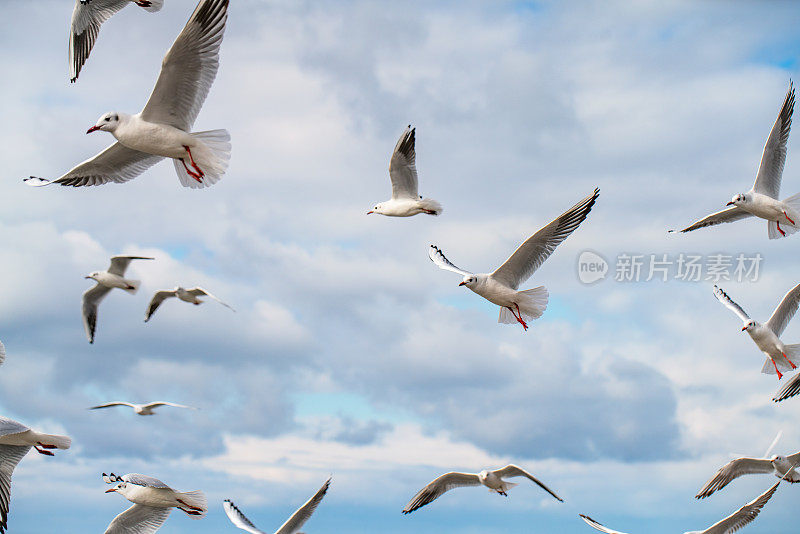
pixel 350 354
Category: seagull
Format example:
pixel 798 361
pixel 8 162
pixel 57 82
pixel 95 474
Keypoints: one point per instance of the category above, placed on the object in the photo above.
pixel 87 17
pixel 500 287
pixel 734 522
pixel 162 129
pixel 16 440
pixel 291 526
pixel 766 336
pixel 142 409
pixel 186 295
pixel 762 200
pixel 153 501
pixel 2 353
pixel 491 479
pixel 406 200
pixel 114 277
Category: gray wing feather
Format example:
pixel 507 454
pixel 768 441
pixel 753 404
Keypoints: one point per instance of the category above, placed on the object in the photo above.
pixel 438 487
pixel 156 301
pixel 437 256
pixel 10 456
pixel 785 311
pixel 733 470
pixel 403 168
pixel 139 519
pixel 189 68
pixel 514 471
pixel 299 518
pixel 789 389
pixel 9 427
pixel 770 171
pixel 730 304
pixel 87 17
pixel 734 213
pixel 238 518
pixel 744 515
pixel 199 292
pixel 117 164
pixel 144 480
pixel 597 526
pixel 119 264
pixel 537 248
pixel 91 301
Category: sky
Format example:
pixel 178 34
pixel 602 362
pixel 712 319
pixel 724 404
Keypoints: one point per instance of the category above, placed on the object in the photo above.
pixel 350 354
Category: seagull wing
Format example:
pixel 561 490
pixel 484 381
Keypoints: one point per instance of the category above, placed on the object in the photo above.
pixel 514 471
pixel 537 248
pixel 144 480
pixel 594 524
pixel 110 404
pixel 403 168
pixel 299 518
pixel 189 68
pixel 91 300
pixel 9 427
pixel 437 257
pixel 438 487
pixel 165 403
pixel 789 389
pixel 744 515
pixel 768 179
pixel 199 292
pixel 139 519
pixel 238 518
pixel 10 455
pixel 156 301
pixel 732 470
pixel 734 213
pixel 730 304
pixel 2 353
pixel 785 311
pixel 87 17
pixel 116 164
pixel 119 264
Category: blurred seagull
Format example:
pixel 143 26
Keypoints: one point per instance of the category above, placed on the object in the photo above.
pixel 291 526
pixel 762 199
pixel 16 440
pixel 186 295
pixel 766 336
pixel 491 479
pixel 87 17
pixel 162 129
pixel 114 277
pixel 734 522
pixel 153 501
pixel 2 353
pixel 406 200
pixel 142 409
pixel 500 287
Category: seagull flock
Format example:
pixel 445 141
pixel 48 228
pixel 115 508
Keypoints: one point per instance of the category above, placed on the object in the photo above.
pixel 163 129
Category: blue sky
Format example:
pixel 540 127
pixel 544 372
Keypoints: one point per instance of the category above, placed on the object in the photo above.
pixel 350 354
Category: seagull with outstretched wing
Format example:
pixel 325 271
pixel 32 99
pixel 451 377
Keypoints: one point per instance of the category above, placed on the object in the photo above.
pixel 192 296
pixel 142 409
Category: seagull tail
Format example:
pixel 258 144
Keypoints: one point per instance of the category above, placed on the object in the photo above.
pixel 133 286
pixel 783 365
pixel 155 5
pixel 59 442
pixel 194 503
pixel 531 302
pixel 430 205
pixel 211 153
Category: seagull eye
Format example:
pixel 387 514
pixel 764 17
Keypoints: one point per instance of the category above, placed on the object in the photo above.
pixel 108 119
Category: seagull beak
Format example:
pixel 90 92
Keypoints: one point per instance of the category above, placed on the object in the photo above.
pixel 744 328
pixel 370 212
pixel 88 277
pixel 112 490
pixel 92 129
pixel 462 284
pixel 729 204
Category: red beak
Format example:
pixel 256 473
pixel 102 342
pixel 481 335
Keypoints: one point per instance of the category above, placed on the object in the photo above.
pixel 369 212
pixel 729 204
pixel 92 129
pixel 112 490
pixel 462 284
pixel 744 328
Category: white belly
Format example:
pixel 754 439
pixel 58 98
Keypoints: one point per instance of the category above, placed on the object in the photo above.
pixel 112 280
pixel 160 497
pixel 152 138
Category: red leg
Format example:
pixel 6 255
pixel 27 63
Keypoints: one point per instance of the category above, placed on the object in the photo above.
pixel 787 217
pixel 776 369
pixel 42 445
pixel 42 451
pixel 518 316
pixel 778 224
pixel 191 173
pixel 198 169
pixel 788 360
pixel 189 505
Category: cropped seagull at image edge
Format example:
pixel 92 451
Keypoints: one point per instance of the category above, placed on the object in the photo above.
pixel 500 287
pixel 162 129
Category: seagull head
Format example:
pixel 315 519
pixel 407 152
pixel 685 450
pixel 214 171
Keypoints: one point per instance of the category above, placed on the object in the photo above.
pixel 119 488
pixel 92 276
pixel 749 326
pixel 377 209
pixel 737 200
pixel 106 123
pixel 468 280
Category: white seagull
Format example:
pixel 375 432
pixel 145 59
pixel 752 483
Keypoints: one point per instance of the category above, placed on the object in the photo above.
pixel 162 129
pixel 142 409
pixel 767 336
pixel 16 440
pixel 491 479
pixel 114 277
pixel 153 501
pixel 500 287
pixel 406 200
pixel 87 17
pixel 762 200
pixel 186 295
pixel 734 522
pixel 291 526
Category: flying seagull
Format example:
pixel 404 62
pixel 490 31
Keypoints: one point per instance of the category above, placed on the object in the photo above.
pixel 762 200
pixel 16 440
pixel 734 522
pixel 114 277
pixel 153 501
pixel 186 295
pixel 162 129
pixel 142 409
pixel 2 353
pixel 87 17
pixel 406 200
pixel 491 479
pixel 500 287
pixel 291 526
pixel 766 336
